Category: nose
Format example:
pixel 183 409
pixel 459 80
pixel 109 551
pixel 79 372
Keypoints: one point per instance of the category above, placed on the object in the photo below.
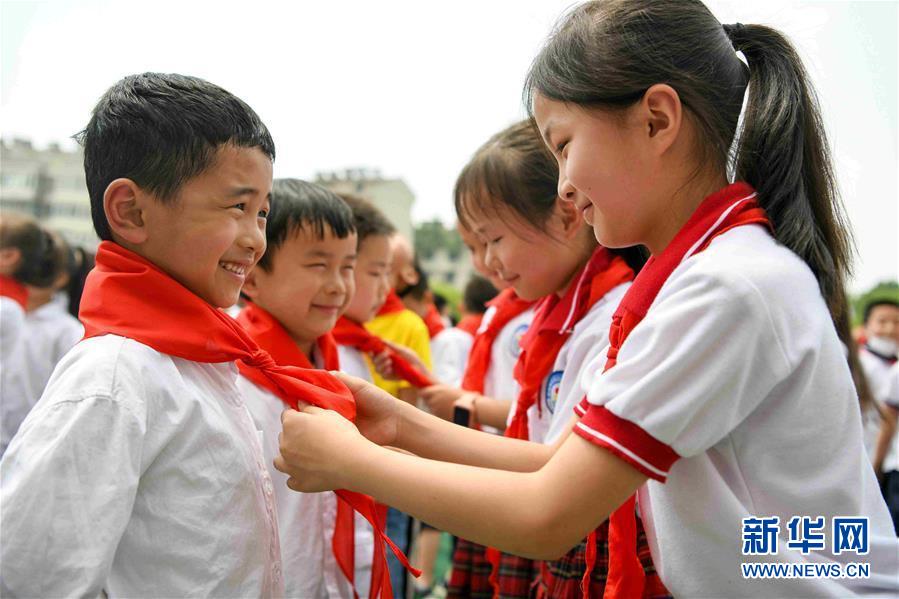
pixel 252 235
pixel 566 190
pixel 491 260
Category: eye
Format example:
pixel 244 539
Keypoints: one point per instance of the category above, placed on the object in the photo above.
pixel 561 146
pixel 240 206
pixel 496 240
pixel 263 214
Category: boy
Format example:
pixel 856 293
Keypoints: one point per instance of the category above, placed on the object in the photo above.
pixel 139 471
pixel 877 355
pixel 297 292
pixel 371 279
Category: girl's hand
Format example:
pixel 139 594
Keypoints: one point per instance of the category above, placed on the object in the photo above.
pixel 377 412
pixel 440 399
pixel 467 402
pixel 316 448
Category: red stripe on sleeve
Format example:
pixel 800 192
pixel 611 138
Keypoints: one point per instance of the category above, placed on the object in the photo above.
pixel 628 441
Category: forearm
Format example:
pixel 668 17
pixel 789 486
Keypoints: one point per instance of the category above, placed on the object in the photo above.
pixel 492 412
pixel 539 515
pixel 409 395
pixel 430 437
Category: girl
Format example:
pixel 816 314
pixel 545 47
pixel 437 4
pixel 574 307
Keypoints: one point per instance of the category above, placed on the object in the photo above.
pixel 537 243
pixel 725 393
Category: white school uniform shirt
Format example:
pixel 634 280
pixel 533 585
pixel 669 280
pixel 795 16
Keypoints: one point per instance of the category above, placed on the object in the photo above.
pixel 499 381
pixel 877 372
pixel 738 369
pixel 50 332
pixel 15 385
pixel 561 390
pixel 138 474
pixel 890 395
pixel 449 355
pixel 306 520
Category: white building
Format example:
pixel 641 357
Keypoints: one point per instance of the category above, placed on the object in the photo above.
pixel 48 184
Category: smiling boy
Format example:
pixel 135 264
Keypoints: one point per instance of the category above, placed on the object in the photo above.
pixel 139 471
pixel 297 292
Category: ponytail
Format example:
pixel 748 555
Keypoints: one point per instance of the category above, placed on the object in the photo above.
pixel 605 54
pixel 783 152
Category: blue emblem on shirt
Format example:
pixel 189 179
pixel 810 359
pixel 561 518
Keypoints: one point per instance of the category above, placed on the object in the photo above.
pixel 515 340
pixel 551 391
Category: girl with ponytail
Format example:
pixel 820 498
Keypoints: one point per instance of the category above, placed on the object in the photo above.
pixel 724 401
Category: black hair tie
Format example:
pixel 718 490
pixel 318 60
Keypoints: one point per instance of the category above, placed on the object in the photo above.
pixel 734 32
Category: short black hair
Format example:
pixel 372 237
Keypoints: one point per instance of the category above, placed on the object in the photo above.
pixel 420 289
pixel 874 303
pixel 161 130
pixel 298 204
pixel 43 257
pixel 368 220
pixel 478 291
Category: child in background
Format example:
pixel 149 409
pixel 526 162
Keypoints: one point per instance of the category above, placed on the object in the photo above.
pixel 877 355
pixel 50 331
pixel 82 264
pixel 450 347
pixel 709 387
pixel 298 290
pixel 886 458
pixel 402 327
pixel 29 260
pixel 139 471
pixel 372 284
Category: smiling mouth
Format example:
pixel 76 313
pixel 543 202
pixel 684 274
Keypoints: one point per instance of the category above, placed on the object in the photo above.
pixel 235 268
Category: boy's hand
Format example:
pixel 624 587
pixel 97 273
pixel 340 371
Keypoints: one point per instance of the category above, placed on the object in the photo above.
pixel 315 445
pixel 383 365
pixel 440 399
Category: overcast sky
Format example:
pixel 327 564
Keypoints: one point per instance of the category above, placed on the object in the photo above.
pixel 413 88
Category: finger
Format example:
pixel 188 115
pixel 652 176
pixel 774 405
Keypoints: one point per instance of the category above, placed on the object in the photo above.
pixel 353 383
pixel 310 409
pixel 294 485
pixel 280 464
pixel 285 415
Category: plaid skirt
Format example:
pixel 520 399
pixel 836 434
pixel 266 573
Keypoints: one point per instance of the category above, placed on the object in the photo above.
pixel 561 579
pixel 518 576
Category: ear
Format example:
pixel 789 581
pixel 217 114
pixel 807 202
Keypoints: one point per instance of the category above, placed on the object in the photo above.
pixel 251 283
pixel 569 218
pixel 409 275
pixel 9 260
pixel 661 113
pixel 124 203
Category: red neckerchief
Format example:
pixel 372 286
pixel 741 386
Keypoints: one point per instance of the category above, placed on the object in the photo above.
pixel 433 321
pixel 470 323
pixel 353 334
pixel 271 336
pixel 553 323
pixel 11 288
pixel 507 306
pixel 733 206
pixel 127 295
pixel 392 304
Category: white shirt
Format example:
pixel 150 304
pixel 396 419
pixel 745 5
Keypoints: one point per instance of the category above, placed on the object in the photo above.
pixel 561 390
pixel 306 520
pixel 738 370
pixel 891 397
pixel 499 381
pixel 138 474
pixel 353 362
pixel 50 332
pixel 449 354
pixel 877 372
pixel 15 385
